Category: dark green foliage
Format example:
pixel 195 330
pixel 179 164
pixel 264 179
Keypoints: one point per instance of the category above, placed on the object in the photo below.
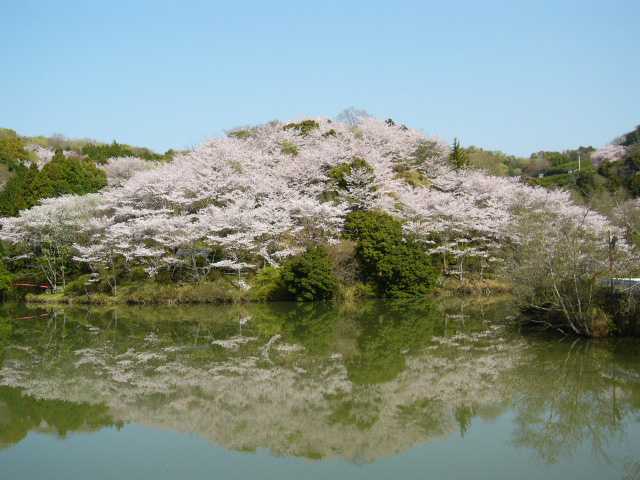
pixel 60 176
pixel 624 308
pixel 458 157
pixel 623 173
pixel 6 280
pixel 101 153
pixel 310 276
pixel 573 170
pixel 303 127
pixel 631 138
pixel 329 133
pixel 399 267
pixel 634 185
pixel 64 175
pixel 18 192
pixel 586 182
pixel 340 172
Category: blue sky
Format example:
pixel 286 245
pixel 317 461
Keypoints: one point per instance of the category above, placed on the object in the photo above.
pixel 509 75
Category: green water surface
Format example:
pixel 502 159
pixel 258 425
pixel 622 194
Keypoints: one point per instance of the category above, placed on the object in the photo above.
pixel 384 390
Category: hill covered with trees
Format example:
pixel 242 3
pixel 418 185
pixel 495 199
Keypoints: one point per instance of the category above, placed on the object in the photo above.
pixel 308 210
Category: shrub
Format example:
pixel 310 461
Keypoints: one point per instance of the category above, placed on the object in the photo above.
pixel 330 133
pixel 80 286
pixel 289 148
pixel 242 133
pixel 414 178
pixel 398 267
pixel 267 285
pixel 310 276
pixel 340 172
pixel 303 127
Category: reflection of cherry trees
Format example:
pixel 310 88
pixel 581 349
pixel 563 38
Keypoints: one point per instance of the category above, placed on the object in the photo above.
pixel 358 385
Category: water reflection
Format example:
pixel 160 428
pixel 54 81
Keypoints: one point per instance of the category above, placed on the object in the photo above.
pixel 314 381
pixel 20 414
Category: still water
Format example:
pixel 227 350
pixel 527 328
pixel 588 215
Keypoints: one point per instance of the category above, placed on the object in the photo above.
pixel 384 390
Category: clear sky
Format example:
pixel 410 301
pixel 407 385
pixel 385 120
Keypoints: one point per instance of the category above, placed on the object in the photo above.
pixel 511 75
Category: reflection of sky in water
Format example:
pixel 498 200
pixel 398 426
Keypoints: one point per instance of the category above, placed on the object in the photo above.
pixel 145 452
pixel 412 390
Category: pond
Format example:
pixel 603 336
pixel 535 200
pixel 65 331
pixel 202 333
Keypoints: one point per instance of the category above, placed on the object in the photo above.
pixel 382 390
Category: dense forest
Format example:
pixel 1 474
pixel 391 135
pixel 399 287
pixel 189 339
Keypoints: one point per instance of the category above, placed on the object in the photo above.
pixel 323 209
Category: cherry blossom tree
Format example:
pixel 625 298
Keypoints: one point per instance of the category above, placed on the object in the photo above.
pixel 240 202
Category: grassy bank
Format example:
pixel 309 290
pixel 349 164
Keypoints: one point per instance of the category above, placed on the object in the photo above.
pixel 152 293
pixel 226 291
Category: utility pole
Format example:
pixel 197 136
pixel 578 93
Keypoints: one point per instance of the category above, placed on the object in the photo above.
pixel 578 161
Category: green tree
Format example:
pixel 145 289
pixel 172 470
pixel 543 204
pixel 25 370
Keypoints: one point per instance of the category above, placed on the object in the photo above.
pixel 310 276
pixel 64 175
pixel 18 192
pixel 12 151
pixel 340 172
pixel 458 156
pixel 398 266
pixel 631 138
pixel 60 176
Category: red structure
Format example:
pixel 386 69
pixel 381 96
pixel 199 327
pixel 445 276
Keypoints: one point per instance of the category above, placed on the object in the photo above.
pixel 32 285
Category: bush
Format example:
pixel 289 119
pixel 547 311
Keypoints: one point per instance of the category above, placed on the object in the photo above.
pixel 101 153
pixel 241 134
pixel 304 127
pixel 289 148
pixel 310 276
pixel 267 285
pixel 398 267
pixel 340 172
pixel 413 177
pixel 79 286
pixel 330 133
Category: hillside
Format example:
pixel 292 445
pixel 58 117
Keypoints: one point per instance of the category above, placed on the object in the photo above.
pixel 35 168
pixel 260 194
pixel 312 210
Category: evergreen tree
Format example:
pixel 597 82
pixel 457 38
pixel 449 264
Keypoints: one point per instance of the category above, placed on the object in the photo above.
pixel 60 176
pixel 458 156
